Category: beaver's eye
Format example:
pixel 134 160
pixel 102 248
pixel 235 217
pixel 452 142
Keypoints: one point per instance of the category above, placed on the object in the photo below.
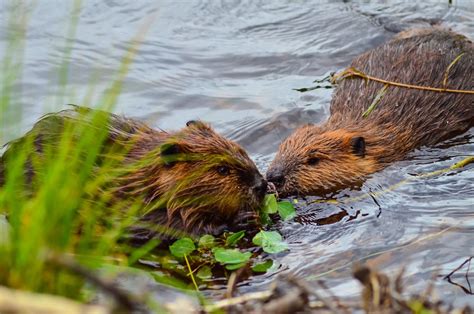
pixel 223 170
pixel 313 161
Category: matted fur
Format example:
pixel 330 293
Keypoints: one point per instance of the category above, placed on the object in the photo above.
pixel 403 120
pixel 186 190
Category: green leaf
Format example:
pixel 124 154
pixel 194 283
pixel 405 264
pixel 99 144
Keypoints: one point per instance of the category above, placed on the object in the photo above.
pixel 235 266
pixel 262 235
pixel 231 256
pixel 270 205
pixel 286 210
pixel 262 267
pixel 270 241
pixel 234 238
pixel 204 272
pixel 207 241
pixel 182 247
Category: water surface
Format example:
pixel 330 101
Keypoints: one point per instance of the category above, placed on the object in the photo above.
pixel 235 64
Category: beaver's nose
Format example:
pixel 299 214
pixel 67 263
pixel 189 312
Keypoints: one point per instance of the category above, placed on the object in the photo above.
pixel 276 176
pixel 260 186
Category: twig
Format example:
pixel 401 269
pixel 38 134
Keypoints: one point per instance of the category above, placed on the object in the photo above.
pixel 351 72
pixel 467 274
pixel 261 295
pixel 448 277
pixel 458 268
pixel 234 279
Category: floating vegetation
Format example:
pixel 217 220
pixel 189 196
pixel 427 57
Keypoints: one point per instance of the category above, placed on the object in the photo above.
pixel 225 251
pixel 324 83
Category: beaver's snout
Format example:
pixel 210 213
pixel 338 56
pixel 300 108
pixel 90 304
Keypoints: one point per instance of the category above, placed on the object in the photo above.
pixel 260 186
pixel 276 176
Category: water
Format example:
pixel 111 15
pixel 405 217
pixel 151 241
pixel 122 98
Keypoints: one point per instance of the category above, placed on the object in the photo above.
pixel 235 64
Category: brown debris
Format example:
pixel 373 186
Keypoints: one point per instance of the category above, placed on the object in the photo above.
pixel 380 294
pixel 14 301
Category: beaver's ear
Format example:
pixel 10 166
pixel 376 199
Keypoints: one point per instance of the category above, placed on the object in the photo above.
pixel 198 124
pixel 358 146
pixel 169 152
pixel 192 122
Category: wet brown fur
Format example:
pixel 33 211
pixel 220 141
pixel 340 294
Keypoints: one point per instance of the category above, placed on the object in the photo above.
pixel 175 176
pixel 403 120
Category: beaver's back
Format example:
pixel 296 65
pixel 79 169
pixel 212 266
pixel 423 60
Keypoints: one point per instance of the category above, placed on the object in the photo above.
pixel 417 58
pixel 119 136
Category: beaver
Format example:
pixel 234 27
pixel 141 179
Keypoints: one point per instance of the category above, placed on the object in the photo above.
pixel 350 145
pixel 192 180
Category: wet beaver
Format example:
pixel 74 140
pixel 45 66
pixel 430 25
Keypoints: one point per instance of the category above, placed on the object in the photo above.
pixel 192 180
pixel 317 159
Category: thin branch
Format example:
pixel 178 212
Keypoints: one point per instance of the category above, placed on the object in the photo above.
pixel 261 295
pixel 353 72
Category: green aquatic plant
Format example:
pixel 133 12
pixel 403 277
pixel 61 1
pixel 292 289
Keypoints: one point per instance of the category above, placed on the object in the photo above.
pixel 208 253
pixel 285 209
pixel 270 241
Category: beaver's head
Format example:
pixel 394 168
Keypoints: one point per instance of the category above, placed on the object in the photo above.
pixel 205 181
pixel 313 161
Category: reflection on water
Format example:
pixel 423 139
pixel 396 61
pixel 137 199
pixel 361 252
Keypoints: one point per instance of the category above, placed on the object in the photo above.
pixel 236 64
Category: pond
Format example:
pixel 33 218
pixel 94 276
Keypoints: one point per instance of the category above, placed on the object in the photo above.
pixel 236 64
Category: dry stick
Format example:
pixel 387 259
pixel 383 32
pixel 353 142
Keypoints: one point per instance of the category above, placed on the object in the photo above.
pixel 261 295
pixel 350 72
pixel 458 268
pixel 234 279
pixel 231 284
pixel 467 274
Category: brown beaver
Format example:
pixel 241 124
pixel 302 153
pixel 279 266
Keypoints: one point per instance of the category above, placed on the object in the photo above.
pixel 192 180
pixel 341 152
